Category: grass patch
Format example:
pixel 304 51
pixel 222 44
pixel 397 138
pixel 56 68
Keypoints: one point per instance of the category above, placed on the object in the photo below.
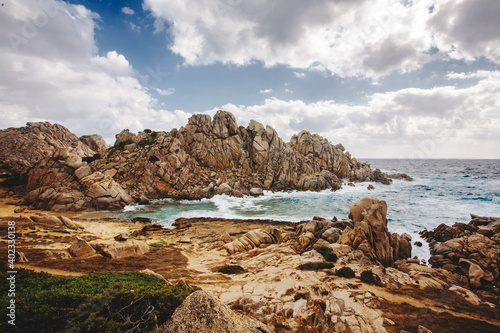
pixel 159 243
pixel 327 253
pixel 231 269
pixel 314 266
pixel 110 302
pixel 346 272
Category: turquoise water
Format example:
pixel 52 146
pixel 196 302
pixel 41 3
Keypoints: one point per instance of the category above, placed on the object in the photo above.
pixel 444 191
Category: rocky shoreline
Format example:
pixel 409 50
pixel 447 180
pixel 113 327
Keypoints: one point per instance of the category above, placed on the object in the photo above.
pixel 350 275
pixel 58 171
pixel 320 275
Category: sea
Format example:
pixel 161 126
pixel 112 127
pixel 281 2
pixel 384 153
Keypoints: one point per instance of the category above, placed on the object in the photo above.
pixel 443 191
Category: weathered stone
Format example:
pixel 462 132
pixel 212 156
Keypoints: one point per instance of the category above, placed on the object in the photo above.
pixel 201 312
pixel 125 249
pixel 80 248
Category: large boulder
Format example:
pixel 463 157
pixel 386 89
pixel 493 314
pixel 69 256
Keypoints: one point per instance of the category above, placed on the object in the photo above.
pixel 120 250
pixel 202 312
pixel 371 235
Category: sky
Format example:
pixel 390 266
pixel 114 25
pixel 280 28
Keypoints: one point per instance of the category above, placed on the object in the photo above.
pixel 386 78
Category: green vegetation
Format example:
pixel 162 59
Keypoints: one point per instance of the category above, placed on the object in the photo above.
pixel 122 144
pixel 153 159
pixel 327 253
pixel 346 272
pixel 231 269
pixel 368 277
pixel 147 130
pixel 314 266
pixel 110 302
pixel 90 159
pixel 154 135
pixel 159 243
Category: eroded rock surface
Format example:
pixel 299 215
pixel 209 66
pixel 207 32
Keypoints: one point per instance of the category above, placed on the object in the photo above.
pixel 204 158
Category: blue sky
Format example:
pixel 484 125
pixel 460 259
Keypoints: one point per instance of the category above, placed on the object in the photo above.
pixel 386 78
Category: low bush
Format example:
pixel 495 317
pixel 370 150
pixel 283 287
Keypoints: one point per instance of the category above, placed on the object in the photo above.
pixel 231 269
pixel 110 302
pixel 314 266
pixel 153 159
pixel 90 159
pixel 327 253
pixel 159 243
pixel 368 277
pixel 346 272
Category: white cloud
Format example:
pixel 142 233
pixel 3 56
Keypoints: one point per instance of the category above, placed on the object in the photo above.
pixel 165 92
pixel 266 91
pixel 135 27
pixel 128 11
pixel 348 38
pixel 300 75
pixel 441 122
pixel 55 74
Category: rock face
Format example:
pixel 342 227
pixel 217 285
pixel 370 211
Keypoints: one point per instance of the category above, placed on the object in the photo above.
pixel 22 147
pixel 94 142
pixel 64 183
pixel 471 250
pixel 204 158
pixel 201 312
pixel 370 233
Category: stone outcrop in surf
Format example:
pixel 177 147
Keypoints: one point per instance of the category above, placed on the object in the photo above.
pixel 205 157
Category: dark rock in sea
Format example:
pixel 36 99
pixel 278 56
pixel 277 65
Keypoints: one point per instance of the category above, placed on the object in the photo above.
pixel 380 177
pixel 417 243
pixel 400 176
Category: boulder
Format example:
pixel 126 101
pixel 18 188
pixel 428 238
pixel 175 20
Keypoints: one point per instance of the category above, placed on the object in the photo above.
pixel 80 248
pixel 70 224
pixel 123 249
pixel 202 312
pixel 256 191
pixel 49 220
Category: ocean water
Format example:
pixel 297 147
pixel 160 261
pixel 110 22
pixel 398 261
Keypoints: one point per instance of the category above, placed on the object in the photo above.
pixel 443 191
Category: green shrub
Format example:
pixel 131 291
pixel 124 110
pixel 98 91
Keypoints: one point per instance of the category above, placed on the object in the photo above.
pixel 368 277
pixel 153 159
pixel 147 130
pixel 159 243
pixel 122 144
pixel 327 253
pixel 110 302
pixel 154 135
pixel 144 143
pixel 231 269
pixel 346 272
pixel 90 159
pixel 314 266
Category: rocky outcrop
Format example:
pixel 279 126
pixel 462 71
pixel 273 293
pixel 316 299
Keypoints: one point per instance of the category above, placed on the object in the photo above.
pixel 201 312
pixel 121 249
pixel 22 147
pixel 95 142
pixel 371 236
pixel 204 158
pixel 63 182
pixel 471 250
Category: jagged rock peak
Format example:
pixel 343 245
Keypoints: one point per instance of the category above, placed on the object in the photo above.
pixel 22 147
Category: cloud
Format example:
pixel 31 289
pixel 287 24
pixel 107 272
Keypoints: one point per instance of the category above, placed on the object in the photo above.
pixel 127 11
pixel 135 27
pixel 300 75
pixel 444 122
pixel 165 92
pixel 56 74
pixel 348 38
pixel 266 91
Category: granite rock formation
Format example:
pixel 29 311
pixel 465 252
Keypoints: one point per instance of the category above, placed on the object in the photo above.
pixel 471 250
pixel 204 158
pixel 22 147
